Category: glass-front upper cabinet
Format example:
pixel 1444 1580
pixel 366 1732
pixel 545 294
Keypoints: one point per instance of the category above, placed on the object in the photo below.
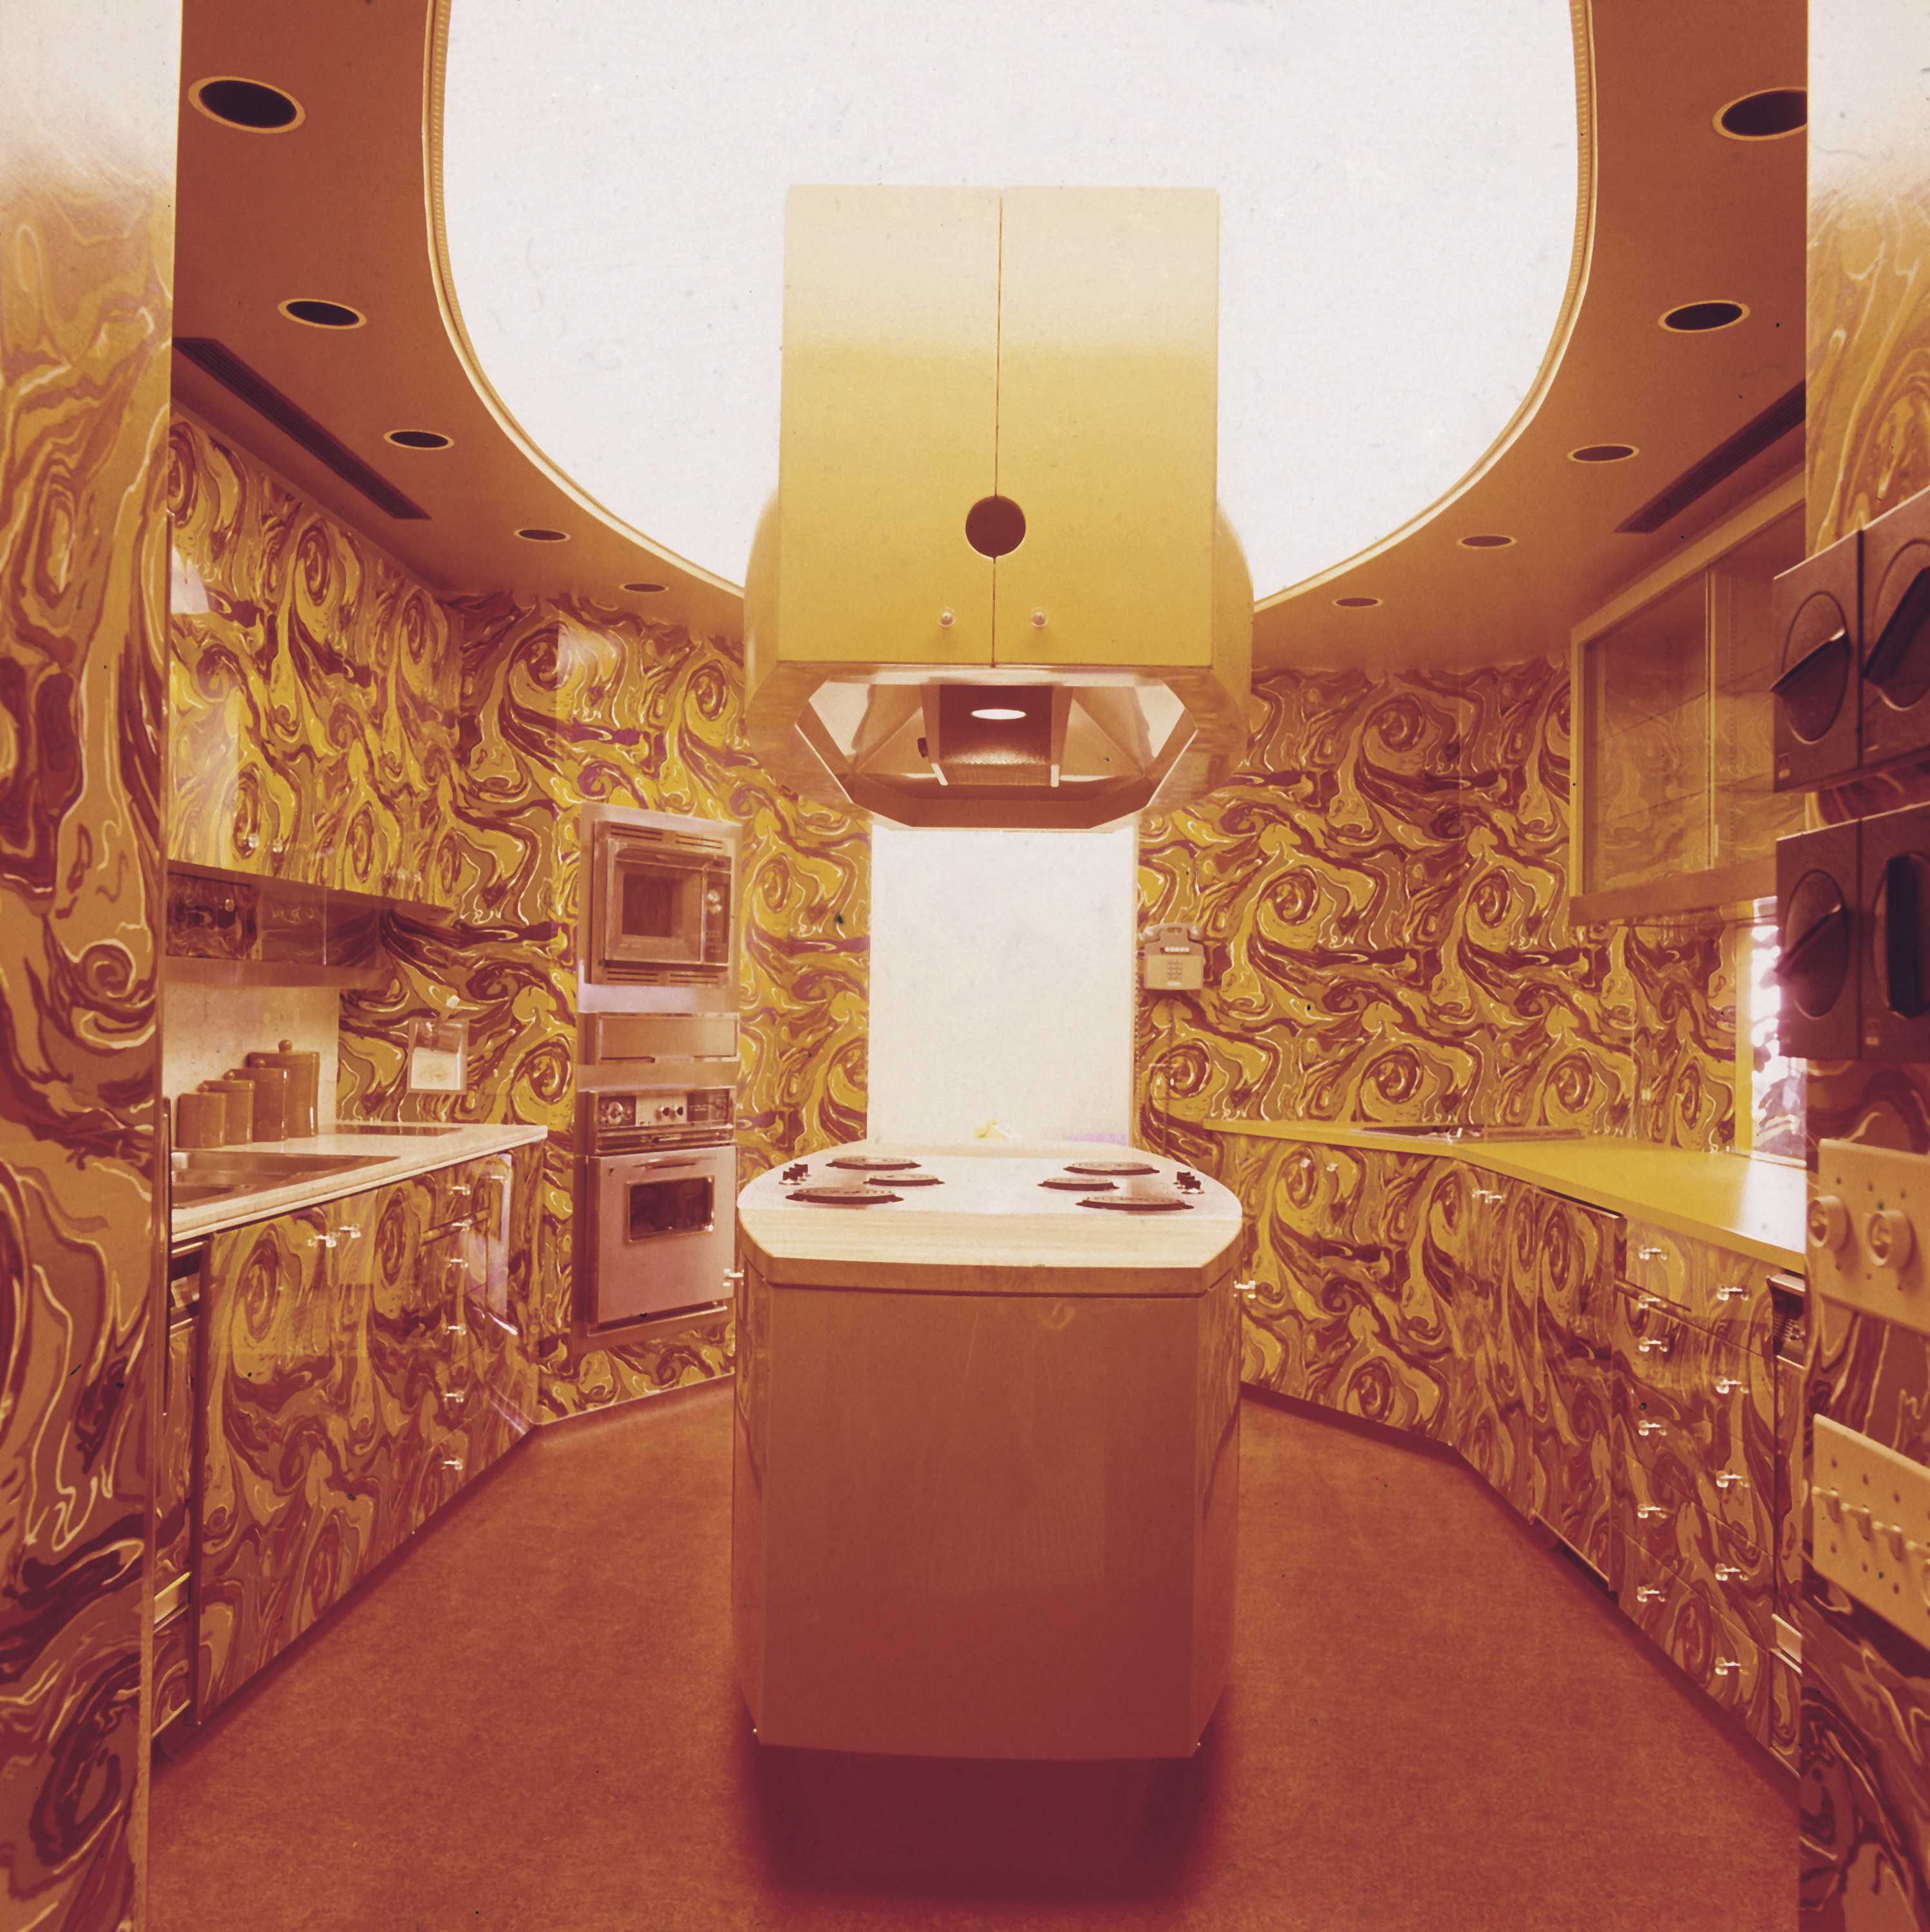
pixel 1674 807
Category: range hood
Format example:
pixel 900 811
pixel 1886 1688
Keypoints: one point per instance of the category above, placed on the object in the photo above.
pixel 994 587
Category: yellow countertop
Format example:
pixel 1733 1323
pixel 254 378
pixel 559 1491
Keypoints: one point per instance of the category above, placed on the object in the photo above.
pixel 1749 1207
pixel 392 1157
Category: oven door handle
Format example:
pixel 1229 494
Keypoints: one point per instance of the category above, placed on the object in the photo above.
pixel 684 1162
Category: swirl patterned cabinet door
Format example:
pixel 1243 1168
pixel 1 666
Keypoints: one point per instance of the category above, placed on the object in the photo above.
pixel 225 799
pixel 1522 1393
pixel 1494 1419
pixel 1575 1448
pixel 276 1529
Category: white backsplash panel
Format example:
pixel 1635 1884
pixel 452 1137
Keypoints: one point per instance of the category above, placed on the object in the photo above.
pixel 206 1029
pixel 1002 983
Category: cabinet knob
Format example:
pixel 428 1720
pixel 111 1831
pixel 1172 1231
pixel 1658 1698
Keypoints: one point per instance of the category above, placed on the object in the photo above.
pixel 245 842
pixel 946 620
pixel 1038 620
pixel 278 848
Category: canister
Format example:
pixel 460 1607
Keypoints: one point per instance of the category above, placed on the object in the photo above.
pixel 271 1100
pixel 239 1096
pixel 304 1083
pixel 200 1120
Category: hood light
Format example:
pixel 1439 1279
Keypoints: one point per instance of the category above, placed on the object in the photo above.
pixel 998 714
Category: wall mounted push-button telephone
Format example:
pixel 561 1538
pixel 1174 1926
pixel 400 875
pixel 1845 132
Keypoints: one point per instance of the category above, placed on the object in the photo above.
pixel 1172 958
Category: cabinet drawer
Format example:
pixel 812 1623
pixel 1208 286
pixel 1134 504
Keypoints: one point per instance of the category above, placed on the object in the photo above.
pixel 1721 1658
pixel 1725 1292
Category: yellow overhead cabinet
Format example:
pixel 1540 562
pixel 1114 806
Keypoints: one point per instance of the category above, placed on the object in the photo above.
pixel 995 586
pixel 1109 331
pixel 890 422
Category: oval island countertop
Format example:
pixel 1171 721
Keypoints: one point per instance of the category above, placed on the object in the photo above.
pixel 989 1227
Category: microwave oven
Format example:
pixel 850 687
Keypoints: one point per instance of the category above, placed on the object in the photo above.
pixel 663 891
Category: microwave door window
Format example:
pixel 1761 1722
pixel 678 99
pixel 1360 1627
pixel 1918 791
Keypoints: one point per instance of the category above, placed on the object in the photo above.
pixel 649 905
pixel 653 1209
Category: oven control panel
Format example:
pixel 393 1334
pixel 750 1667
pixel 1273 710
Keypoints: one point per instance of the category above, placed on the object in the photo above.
pixel 660 1116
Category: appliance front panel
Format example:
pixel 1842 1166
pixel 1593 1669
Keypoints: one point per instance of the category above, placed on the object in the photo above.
pixel 664 1231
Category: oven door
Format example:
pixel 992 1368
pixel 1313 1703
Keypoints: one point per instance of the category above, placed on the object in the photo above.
pixel 666 1228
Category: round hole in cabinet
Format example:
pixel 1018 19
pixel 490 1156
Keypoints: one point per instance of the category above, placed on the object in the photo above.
pixel 643 589
pixel 1602 452
pixel 1699 318
pixel 417 438
pixel 1815 679
pixel 317 313
pixel 1903 899
pixel 1766 115
pixel 537 533
pixel 252 106
pixel 1356 603
pixel 1488 540
pixel 995 526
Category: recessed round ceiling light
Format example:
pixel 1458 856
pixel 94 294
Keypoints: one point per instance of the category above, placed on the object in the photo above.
pixel 1765 115
pixel 319 314
pixel 1698 318
pixel 644 589
pixel 417 438
pixel 998 714
pixel 1488 542
pixel 1356 603
pixel 251 105
pixel 536 533
pixel 1602 452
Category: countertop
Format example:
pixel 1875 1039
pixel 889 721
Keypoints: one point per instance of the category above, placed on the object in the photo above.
pixel 403 1155
pixel 990 1228
pixel 1749 1207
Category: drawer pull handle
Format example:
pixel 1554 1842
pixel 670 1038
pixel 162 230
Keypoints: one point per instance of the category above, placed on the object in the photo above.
pixel 1650 1304
pixel 1648 1593
pixel 1730 1292
pixel 1726 1572
pixel 1649 1512
pixel 1727 1666
pixel 1645 1251
pixel 1729 1479
pixel 1488 1194
pixel 1726 1384
pixel 1648 1429
pixel 1652 1344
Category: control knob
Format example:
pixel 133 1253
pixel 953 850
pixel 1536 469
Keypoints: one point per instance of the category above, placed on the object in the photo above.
pixel 797 1171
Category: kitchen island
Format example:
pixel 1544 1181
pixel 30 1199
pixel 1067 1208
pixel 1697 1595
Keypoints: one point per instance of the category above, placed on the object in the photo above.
pixel 986 1451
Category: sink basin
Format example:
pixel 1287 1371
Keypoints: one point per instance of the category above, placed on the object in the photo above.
pixel 207 1174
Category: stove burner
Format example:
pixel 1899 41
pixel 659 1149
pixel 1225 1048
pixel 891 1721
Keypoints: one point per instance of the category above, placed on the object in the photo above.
pixel 920 1179
pixel 1110 1167
pixel 872 1163
pixel 843 1194
pixel 1127 1204
pixel 1066 1184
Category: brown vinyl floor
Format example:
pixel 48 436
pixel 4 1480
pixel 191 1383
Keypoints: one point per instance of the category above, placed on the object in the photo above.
pixel 527 1724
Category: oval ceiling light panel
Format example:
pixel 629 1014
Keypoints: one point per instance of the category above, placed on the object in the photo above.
pixel 1398 185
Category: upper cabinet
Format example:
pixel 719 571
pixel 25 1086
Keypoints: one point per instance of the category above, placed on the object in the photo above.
pixel 1108 424
pixel 890 422
pixel 994 587
pixel 1675 807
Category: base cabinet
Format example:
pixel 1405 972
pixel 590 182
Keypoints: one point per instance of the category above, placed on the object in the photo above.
pixel 1618 1384
pixel 363 1360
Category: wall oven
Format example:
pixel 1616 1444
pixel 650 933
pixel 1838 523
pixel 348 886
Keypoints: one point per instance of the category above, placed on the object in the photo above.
pixel 661 892
pixel 660 1189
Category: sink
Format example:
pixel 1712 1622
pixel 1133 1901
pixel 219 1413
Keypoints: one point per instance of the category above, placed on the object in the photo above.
pixel 207 1174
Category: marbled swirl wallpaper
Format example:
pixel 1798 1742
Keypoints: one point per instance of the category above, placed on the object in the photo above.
pixel 86 208
pixel 1384 892
pixel 1866 1687
pixel 439 751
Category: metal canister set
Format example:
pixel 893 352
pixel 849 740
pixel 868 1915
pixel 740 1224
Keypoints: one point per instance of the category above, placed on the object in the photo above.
pixel 270 1096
